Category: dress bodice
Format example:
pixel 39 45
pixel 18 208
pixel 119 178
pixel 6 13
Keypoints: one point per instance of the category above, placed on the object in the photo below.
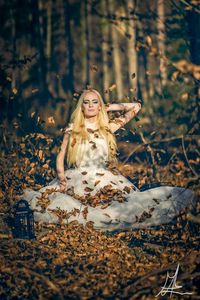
pixel 93 152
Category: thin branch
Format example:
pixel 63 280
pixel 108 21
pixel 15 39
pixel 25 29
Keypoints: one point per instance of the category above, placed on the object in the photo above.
pixel 184 151
pixel 166 140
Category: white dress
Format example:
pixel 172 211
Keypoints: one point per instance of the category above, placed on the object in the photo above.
pixel 111 200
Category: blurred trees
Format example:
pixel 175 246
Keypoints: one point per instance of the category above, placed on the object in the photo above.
pixel 51 50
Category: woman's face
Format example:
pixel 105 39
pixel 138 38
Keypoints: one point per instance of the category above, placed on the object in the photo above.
pixel 91 105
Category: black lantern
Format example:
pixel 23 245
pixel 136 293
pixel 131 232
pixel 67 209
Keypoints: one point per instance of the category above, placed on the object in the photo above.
pixel 23 221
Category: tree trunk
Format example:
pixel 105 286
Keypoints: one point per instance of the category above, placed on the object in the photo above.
pixel 70 73
pixel 37 20
pixel 193 19
pixel 87 37
pixel 105 50
pixel 161 40
pixel 116 55
pixel 49 40
pixel 131 51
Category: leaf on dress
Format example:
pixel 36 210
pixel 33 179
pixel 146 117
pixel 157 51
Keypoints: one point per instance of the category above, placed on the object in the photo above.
pixel 87 189
pixel 127 189
pixel 105 206
pixel 113 182
pixel 92 130
pixel 94 146
pixel 156 200
pixel 97 182
pixel 68 178
pixel 121 181
pixel 84 182
pixel 70 191
pixel 84 173
pixel 85 212
pixel 107 215
pixel 100 174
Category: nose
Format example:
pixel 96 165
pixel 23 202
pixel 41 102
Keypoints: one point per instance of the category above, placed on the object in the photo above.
pixel 90 104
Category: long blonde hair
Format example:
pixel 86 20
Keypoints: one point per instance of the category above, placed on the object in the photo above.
pixel 79 132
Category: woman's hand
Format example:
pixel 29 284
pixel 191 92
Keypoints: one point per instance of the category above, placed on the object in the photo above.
pixel 62 184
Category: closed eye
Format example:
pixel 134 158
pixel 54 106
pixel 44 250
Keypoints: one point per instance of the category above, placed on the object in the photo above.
pixel 87 101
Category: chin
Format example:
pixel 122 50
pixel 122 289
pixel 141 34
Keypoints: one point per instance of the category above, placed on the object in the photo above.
pixel 91 114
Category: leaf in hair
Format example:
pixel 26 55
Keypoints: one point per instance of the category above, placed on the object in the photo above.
pixel 73 142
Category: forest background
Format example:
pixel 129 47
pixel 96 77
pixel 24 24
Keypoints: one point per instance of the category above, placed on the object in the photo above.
pixel 127 50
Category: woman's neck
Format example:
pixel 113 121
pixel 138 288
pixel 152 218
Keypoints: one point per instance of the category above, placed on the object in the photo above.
pixel 92 120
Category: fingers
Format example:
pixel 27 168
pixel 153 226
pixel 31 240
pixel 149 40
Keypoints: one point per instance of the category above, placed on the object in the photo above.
pixel 63 185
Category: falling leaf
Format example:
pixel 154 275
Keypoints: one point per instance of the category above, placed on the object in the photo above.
pixel 32 114
pixel 40 154
pixel 148 40
pixel 34 91
pixel 133 76
pixel 14 90
pixel 45 166
pixel 94 68
pixel 175 75
pixel 112 87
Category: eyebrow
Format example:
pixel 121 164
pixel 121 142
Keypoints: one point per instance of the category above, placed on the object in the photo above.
pixel 92 100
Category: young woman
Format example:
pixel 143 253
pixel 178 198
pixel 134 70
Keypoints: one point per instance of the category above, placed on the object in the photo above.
pixel 91 188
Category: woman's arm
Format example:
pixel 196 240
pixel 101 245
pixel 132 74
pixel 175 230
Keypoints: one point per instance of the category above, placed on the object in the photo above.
pixel 131 110
pixel 60 161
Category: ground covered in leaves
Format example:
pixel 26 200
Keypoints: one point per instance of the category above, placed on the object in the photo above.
pixel 74 261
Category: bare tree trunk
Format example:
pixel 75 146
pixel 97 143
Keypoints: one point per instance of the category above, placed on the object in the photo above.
pixel 87 36
pixel 131 51
pixel 161 40
pixel 49 40
pixel 193 18
pixel 70 74
pixel 37 19
pixel 116 55
pixel 70 44
pixel 105 50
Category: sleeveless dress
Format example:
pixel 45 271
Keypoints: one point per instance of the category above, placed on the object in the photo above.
pixel 104 196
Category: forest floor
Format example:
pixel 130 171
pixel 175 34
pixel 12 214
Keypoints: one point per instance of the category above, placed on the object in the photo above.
pixel 75 261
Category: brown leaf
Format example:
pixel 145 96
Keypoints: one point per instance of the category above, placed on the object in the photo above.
pixel 88 189
pixel 73 142
pixel 97 182
pixel 84 173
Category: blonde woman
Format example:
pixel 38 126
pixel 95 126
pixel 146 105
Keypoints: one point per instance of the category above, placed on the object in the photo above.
pixel 91 188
